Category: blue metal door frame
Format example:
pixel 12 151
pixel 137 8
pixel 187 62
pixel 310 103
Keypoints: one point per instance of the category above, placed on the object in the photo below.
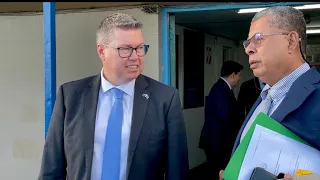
pixel 165 49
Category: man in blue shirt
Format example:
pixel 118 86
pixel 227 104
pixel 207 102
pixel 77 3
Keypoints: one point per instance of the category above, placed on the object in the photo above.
pixel 118 124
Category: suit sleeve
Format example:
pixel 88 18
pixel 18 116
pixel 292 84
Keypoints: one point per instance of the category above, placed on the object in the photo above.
pixel 177 159
pixel 53 165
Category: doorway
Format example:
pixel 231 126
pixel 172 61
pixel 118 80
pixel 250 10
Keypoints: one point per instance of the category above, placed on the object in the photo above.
pixel 223 34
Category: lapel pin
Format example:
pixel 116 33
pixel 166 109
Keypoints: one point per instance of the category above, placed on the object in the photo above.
pixel 146 96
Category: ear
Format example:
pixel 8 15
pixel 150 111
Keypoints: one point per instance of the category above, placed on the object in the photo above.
pixel 101 52
pixel 293 39
pixel 233 74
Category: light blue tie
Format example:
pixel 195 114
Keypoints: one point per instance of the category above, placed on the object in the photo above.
pixel 264 107
pixel 112 147
pixel 266 102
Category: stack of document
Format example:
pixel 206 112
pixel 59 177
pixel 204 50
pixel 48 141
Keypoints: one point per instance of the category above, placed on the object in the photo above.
pixel 273 147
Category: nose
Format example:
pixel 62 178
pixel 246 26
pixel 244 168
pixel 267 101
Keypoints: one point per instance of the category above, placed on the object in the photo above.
pixel 250 49
pixel 134 55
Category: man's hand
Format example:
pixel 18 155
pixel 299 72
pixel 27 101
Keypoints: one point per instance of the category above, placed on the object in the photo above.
pixel 287 177
pixel 221 172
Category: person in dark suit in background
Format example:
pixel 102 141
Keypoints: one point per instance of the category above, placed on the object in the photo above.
pixel 221 118
pixel 248 94
pixel 118 124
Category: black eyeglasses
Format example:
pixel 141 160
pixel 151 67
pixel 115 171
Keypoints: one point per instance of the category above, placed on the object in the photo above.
pixel 125 52
pixel 256 39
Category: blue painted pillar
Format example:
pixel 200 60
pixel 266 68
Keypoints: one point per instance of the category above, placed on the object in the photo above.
pixel 49 18
pixel 165 51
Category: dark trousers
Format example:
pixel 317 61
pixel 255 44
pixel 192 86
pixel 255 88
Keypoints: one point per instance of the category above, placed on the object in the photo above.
pixel 217 160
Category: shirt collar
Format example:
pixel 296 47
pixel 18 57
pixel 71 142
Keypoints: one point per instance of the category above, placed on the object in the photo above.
pixel 128 88
pixel 226 82
pixel 281 88
pixel 262 84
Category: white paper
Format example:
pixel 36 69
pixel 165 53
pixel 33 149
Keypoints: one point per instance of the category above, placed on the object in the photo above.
pixel 277 153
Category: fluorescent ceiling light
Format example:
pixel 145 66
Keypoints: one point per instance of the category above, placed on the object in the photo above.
pixel 312 6
pixel 253 10
pixel 313 31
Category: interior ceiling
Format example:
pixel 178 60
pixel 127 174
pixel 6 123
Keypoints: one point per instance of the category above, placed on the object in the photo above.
pixel 18 7
pixel 228 23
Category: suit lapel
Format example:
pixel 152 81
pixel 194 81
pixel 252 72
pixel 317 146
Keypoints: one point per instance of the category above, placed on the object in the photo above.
pixel 297 94
pixel 90 101
pixel 140 105
pixel 255 105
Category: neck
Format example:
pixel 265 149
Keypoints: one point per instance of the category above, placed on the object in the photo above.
pixel 228 79
pixel 112 79
pixel 293 66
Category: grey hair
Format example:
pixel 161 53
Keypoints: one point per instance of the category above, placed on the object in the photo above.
pixel 115 21
pixel 286 18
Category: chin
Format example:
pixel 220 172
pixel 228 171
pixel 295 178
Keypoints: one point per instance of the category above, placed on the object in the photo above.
pixel 132 76
pixel 257 73
pixel 261 76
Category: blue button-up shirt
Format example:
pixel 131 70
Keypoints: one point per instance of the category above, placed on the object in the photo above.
pixel 105 103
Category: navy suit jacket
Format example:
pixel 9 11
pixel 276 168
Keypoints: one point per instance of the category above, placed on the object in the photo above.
pixel 158 143
pixel 300 109
pixel 221 119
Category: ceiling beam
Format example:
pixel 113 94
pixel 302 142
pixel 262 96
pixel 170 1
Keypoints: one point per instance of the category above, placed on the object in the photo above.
pixel 22 7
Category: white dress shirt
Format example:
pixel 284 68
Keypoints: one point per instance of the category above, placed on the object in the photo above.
pixel 226 82
pixel 105 103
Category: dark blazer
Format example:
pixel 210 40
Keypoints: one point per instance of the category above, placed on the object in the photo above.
pixel 221 122
pixel 300 109
pixel 157 144
pixel 248 94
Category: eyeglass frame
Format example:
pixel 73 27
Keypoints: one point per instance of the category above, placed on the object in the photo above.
pixel 146 47
pixel 271 34
pixel 259 40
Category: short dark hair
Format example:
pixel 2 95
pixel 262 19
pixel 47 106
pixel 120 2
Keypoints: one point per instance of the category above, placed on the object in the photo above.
pixel 229 67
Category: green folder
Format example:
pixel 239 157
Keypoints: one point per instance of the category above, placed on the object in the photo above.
pixel 233 168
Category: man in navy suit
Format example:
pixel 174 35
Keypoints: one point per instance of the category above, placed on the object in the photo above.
pixel 117 124
pixel 221 118
pixel 277 48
